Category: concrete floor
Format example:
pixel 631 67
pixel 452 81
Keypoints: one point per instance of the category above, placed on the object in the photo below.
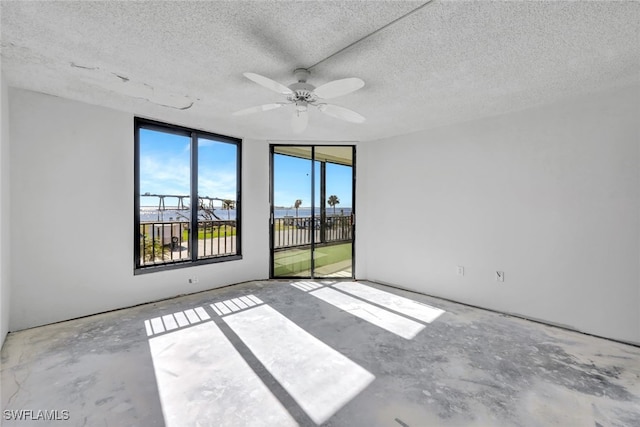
pixel 315 353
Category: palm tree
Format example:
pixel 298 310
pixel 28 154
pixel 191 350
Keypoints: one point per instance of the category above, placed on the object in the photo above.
pixel 333 201
pixel 228 205
pixel 297 204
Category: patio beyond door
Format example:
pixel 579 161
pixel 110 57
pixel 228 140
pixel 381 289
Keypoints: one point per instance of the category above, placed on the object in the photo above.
pixel 312 211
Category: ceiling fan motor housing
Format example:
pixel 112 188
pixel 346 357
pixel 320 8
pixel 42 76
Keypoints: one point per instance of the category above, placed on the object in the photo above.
pixel 302 91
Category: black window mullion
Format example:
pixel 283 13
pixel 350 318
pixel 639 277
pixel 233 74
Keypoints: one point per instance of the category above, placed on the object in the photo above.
pixel 323 198
pixel 312 225
pixel 272 220
pixel 138 235
pixel 238 199
pixel 195 201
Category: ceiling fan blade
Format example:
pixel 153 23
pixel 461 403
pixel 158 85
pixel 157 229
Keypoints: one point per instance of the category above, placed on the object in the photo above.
pixel 338 88
pixel 299 121
pixel 268 83
pixel 265 107
pixel 341 113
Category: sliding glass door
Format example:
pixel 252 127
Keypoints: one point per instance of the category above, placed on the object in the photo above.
pixel 291 237
pixel 312 211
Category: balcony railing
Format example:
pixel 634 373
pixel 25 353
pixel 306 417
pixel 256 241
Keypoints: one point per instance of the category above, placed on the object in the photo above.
pixel 297 231
pixel 164 242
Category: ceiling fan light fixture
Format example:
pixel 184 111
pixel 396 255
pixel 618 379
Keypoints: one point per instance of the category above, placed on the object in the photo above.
pixel 301 106
pixel 299 121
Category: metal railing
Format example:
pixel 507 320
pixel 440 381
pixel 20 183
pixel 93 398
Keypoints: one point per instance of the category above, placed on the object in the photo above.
pixel 296 231
pixel 163 242
pixel 219 238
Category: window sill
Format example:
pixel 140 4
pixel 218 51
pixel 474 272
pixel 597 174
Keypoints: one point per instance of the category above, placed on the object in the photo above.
pixel 184 264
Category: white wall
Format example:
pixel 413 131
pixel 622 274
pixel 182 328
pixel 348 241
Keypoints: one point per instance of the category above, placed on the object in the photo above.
pixel 362 203
pixel 549 195
pixel 72 215
pixel 4 213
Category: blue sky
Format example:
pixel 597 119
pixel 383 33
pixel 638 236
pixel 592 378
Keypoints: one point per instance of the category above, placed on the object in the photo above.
pixel 165 165
pixel 164 169
pixel 292 180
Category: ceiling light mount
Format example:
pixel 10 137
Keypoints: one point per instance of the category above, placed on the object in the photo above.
pixel 301 75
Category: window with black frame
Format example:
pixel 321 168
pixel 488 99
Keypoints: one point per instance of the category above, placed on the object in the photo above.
pixel 187 197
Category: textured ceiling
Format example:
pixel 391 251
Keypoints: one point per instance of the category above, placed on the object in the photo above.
pixel 182 62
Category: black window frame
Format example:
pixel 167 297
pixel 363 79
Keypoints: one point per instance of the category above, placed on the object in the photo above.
pixel 193 134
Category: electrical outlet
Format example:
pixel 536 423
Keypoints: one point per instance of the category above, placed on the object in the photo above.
pixel 460 270
pixel 194 280
pixel 499 276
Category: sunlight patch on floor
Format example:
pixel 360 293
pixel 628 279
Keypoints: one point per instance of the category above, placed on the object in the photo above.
pixel 399 325
pixel 409 307
pixel 202 378
pixel 320 379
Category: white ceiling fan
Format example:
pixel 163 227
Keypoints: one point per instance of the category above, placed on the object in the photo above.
pixel 302 94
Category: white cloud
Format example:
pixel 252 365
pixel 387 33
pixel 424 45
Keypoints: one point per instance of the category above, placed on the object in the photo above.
pixel 164 176
pixel 172 176
pixel 221 184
